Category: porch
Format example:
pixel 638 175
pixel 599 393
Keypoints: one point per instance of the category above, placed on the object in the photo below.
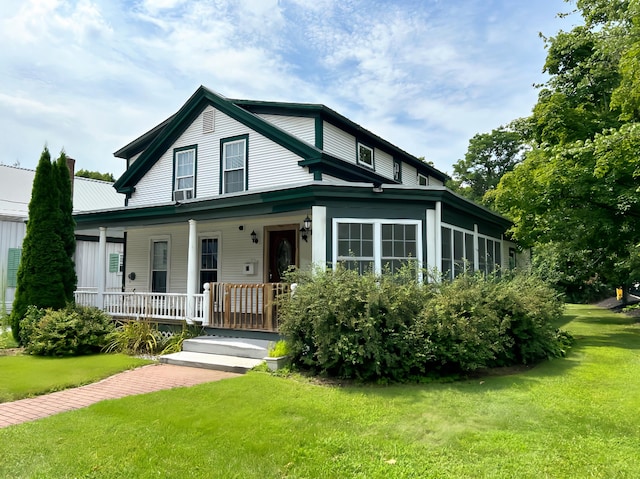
pixel 234 306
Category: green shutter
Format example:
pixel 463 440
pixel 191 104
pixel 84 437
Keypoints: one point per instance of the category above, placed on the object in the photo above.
pixel 12 267
pixel 114 262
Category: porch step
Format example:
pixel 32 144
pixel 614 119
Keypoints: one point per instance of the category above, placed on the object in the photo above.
pixel 220 362
pixel 243 348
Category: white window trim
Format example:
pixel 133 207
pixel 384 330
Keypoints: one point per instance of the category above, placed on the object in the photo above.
pixel 426 179
pixel 377 239
pixel 360 162
pixel 475 261
pixel 156 239
pixel 243 141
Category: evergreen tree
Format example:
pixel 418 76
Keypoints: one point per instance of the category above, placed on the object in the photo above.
pixel 66 226
pixel 40 279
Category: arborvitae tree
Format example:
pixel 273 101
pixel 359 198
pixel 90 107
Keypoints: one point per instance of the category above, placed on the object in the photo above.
pixel 40 279
pixel 67 225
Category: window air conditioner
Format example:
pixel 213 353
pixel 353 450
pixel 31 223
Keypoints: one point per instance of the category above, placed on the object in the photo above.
pixel 181 195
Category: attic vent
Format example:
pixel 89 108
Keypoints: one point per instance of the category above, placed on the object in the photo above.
pixel 207 121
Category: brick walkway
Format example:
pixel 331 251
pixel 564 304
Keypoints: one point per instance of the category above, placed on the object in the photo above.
pixel 142 380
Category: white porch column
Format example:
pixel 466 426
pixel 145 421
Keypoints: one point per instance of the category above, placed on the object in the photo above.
pixel 431 241
pixel 476 248
pixel 438 235
pixel 319 236
pixel 192 269
pixel 102 267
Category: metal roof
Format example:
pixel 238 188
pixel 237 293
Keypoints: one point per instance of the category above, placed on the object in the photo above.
pixel 15 193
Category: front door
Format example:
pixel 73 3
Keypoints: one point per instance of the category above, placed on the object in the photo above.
pixel 282 253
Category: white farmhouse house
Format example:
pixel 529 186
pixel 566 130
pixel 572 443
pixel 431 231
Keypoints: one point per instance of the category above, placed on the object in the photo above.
pixel 227 194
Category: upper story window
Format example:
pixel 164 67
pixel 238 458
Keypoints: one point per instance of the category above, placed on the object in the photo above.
pixel 423 180
pixel 397 171
pixel 365 156
pixel 184 173
pixel 233 153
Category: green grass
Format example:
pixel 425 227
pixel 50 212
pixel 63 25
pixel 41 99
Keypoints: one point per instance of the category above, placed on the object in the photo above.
pixel 23 376
pixel 568 418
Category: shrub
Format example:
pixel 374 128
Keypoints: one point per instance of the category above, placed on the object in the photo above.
pixel 173 343
pixel 74 330
pixel 344 324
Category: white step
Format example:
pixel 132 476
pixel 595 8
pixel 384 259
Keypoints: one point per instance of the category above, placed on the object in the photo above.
pixel 244 348
pixel 233 364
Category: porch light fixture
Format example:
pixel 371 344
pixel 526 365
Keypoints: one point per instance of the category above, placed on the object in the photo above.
pixel 254 237
pixel 305 231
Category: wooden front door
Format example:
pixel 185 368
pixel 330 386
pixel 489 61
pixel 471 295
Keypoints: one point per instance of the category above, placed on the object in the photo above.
pixel 282 253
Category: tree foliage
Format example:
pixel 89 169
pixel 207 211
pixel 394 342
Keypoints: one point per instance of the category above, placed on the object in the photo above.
pixel 488 158
pixel 575 196
pixel 95 175
pixel 44 279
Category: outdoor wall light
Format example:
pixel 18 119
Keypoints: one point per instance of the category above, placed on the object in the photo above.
pixel 305 231
pixel 254 237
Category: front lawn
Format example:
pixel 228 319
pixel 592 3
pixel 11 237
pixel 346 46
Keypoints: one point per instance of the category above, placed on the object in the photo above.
pixel 567 418
pixel 23 376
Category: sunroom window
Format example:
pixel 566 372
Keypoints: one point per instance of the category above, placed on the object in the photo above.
pixel 376 245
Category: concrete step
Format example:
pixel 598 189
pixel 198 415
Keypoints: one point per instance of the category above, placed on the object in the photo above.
pixel 219 362
pixel 243 348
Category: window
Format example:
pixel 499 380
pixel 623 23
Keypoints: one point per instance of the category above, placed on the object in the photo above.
pixel 490 255
pixel 234 164
pixel 184 173
pixel 457 251
pixel 399 245
pixel 365 156
pixel 397 171
pixel 423 180
pixel 373 245
pixel 208 260
pixel 159 263
pixel 355 246
pixel 12 267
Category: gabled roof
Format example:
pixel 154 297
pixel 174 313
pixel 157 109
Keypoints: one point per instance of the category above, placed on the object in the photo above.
pixel 157 140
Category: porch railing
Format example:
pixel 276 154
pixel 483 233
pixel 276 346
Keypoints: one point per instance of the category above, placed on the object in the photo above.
pixel 222 305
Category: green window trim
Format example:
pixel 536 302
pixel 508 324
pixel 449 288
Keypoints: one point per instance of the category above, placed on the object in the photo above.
pixel 224 142
pixel 12 266
pixel 182 181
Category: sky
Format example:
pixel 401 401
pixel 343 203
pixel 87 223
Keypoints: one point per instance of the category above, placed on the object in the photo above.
pixel 89 76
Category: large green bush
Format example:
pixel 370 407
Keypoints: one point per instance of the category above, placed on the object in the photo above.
pixel 72 331
pixel 343 324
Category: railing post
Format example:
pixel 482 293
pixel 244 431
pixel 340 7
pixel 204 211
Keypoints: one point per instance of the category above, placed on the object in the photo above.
pixel 206 305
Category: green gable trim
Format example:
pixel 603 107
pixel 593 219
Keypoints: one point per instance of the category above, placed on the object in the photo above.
pixel 341 169
pixel 12 267
pixel 319 133
pixel 187 114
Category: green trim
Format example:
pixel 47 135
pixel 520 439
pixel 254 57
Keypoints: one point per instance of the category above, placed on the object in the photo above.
pixel 341 169
pixel 114 262
pixel 360 143
pixel 317 175
pixel 319 132
pixel 195 168
pixel 232 139
pixel 292 199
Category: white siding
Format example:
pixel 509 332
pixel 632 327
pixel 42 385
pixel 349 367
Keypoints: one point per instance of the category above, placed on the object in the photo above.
pixel 11 236
pixel 384 163
pixel 269 164
pixel 410 177
pixel 300 127
pixel 86 259
pixel 339 143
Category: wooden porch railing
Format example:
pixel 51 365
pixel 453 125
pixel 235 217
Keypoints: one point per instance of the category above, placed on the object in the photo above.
pixel 245 306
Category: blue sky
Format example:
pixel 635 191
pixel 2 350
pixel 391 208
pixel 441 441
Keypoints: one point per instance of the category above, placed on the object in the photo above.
pixel 89 76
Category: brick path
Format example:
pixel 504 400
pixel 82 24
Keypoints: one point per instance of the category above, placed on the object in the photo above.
pixel 142 380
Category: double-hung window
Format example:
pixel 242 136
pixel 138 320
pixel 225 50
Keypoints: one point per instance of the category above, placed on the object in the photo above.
pixel 234 164
pixel 376 245
pixel 184 173
pixel 457 251
pixel 159 265
pixel 208 260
